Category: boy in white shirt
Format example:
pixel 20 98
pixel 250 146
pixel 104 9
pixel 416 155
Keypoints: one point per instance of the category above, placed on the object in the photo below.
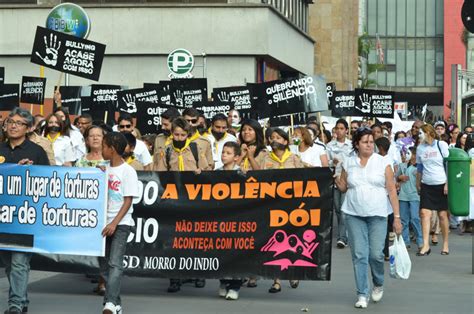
pixel 122 187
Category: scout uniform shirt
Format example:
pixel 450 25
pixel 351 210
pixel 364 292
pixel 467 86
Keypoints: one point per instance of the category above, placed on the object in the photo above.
pixel 161 142
pixel 287 161
pixel 205 150
pixel 245 164
pixel 181 159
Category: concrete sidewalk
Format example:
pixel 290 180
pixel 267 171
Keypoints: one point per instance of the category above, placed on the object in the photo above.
pixel 438 284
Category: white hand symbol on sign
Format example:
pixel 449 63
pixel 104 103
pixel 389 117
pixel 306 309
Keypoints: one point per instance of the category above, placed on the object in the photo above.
pixel 223 96
pixel 178 96
pixel 129 101
pixel 52 48
pixel 365 100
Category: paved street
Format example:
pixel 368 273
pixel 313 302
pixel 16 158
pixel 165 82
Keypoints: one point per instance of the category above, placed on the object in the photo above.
pixel 439 284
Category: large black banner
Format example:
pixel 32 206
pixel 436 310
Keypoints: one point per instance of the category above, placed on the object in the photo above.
pixel 375 103
pixel 32 90
pixel 239 96
pixel 186 92
pixel 9 96
pixel 71 99
pixel 270 223
pixel 68 54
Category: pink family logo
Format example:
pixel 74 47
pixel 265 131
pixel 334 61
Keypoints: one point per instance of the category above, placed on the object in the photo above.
pixel 280 242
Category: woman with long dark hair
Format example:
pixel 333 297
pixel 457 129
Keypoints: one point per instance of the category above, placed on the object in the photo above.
pixel 252 144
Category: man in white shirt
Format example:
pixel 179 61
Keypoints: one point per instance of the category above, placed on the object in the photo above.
pixel 339 150
pixel 125 125
pixel 218 136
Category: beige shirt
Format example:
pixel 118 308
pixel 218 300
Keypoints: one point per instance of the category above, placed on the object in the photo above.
pixel 45 144
pixel 190 163
pixel 294 161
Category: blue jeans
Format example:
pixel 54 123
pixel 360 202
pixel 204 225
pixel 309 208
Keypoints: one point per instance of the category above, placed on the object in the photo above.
pixel 410 214
pixel 341 225
pixel 111 266
pixel 17 268
pixel 366 239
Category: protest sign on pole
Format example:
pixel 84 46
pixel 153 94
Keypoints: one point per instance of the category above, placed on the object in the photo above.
pixel 239 96
pixel 210 109
pixel 149 116
pixel 271 223
pixel 186 92
pixel 32 90
pixel 71 99
pixel 49 209
pixel 9 96
pixel 374 103
pixel 344 104
pixel 285 120
pixel 68 54
pixel 2 75
pixel 104 100
pixel 330 89
pixel 127 100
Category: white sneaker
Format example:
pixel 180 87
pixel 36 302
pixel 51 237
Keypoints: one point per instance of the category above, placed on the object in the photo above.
pixel 361 302
pixel 377 293
pixel 118 309
pixel 222 290
pixel 232 295
pixel 109 308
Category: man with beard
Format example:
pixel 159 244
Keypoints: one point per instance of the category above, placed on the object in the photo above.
pixel 218 137
pixel 191 115
pixel 125 125
pixel 164 138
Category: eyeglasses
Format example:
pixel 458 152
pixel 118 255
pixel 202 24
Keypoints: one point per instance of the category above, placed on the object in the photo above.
pixel 124 126
pixel 16 123
pixel 192 120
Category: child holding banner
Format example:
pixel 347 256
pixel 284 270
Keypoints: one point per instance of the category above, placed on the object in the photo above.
pixel 281 158
pixel 123 186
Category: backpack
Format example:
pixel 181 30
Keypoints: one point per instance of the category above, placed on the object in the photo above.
pixel 194 150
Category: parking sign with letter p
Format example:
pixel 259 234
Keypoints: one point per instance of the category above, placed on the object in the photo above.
pixel 180 63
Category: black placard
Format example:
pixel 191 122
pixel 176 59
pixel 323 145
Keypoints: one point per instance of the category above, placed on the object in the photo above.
pixel 375 103
pixel 32 90
pixel 186 92
pixel 210 109
pixel 9 96
pixel 330 89
pixel 127 100
pixel 104 99
pixel 149 114
pixel 239 96
pixel 298 119
pixel 68 54
pixel 2 75
pixel 344 104
pixel 71 99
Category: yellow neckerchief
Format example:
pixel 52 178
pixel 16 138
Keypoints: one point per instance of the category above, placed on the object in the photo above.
pixel 246 163
pixel 284 158
pixel 52 140
pixel 180 154
pixel 130 159
pixel 195 136
pixel 169 140
pixel 208 132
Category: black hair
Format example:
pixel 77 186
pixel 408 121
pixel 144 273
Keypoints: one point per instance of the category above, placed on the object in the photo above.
pixel 377 125
pixel 268 133
pixel 117 141
pixel 235 146
pixel 465 128
pixel 125 116
pixel 131 139
pixel 259 140
pixel 219 117
pixel 85 116
pixel 383 143
pixel 388 125
pixel 398 133
pixel 328 135
pixel 192 112
pixel 359 123
pixel 469 142
pixel 343 122
pixel 357 136
pixel 170 114
pixel 67 122
pixel 283 134
pixel 180 122
pixel 103 125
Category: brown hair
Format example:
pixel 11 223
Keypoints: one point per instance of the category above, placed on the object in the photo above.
pixel 429 130
pixel 305 135
pixel 61 123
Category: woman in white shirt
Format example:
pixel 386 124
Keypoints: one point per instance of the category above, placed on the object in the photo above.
pixel 431 183
pixel 62 145
pixel 311 154
pixel 367 178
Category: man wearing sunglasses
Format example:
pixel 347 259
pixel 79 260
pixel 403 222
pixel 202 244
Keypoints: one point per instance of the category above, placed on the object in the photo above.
pixel 125 125
pixel 20 150
pixel 191 115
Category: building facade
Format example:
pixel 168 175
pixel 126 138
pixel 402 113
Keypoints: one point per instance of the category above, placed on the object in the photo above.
pixel 234 42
